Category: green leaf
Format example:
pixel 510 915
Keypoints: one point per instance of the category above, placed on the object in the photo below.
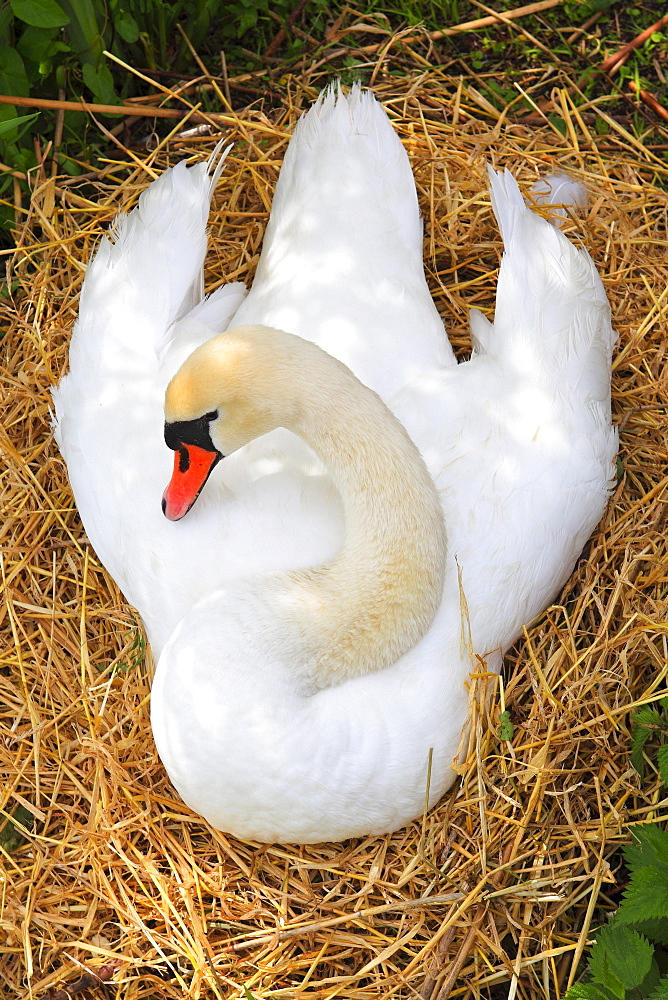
pixel 84 34
pixel 506 728
pixel 244 22
pixel 651 717
pixel 645 898
pixel 661 990
pixel 643 724
pixel 651 980
pixel 126 26
pixel 34 42
pixel 46 64
pixel 620 958
pixel 584 10
pixel 11 837
pixel 6 291
pixel 7 218
pixel 23 158
pixel 662 761
pixel 70 167
pixel 12 123
pixel 587 991
pixel 13 78
pixel 100 82
pixel 8 117
pixel 40 13
pixel 558 123
pixel 6 24
pixel 655 930
pixel 649 849
pixel 37 45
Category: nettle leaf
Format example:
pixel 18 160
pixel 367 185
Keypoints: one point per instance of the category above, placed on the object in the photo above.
pixel 660 992
pixel 654 930
pixel 643 724
pixel 651 717
pixel 662 760
pixel 651 980
pixel 620 959
pixel 40 13
pixel 649 849
pixel 645 898
pixel 587 991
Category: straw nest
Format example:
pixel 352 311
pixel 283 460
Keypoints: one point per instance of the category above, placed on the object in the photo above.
pixel 107 876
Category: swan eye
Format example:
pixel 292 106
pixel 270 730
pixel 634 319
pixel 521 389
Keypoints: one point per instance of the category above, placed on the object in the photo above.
pixel 213 415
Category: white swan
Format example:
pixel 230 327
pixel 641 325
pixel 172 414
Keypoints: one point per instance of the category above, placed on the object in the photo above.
pixel 306 665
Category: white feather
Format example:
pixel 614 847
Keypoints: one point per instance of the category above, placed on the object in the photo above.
pixel 562 192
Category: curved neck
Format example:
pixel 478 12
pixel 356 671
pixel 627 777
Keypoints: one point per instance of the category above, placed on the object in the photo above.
pixel 376 599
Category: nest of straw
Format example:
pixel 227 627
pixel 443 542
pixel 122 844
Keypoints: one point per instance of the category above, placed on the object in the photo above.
pixel 108 878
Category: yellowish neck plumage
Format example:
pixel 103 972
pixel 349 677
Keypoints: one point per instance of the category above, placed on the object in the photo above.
pixel 375 600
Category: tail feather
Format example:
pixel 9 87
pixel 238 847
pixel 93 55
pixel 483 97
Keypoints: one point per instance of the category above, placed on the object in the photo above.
pixel 344 148
pixel 481 331
pixel 552 314
pixel 142 303
pixel 148 273
pixel 344 243
pixel 507 201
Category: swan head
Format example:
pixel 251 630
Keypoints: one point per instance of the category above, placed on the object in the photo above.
pixel 231 390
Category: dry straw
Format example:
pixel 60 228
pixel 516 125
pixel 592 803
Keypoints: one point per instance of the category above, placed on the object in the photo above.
pixel 495 892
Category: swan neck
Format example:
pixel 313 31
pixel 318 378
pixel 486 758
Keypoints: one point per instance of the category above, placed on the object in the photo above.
pixel 377 598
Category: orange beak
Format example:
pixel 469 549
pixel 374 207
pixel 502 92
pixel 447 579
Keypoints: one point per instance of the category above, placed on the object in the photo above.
pixel 192 468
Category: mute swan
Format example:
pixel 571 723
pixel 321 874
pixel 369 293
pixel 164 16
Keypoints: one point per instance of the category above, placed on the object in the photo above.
pixel 307 615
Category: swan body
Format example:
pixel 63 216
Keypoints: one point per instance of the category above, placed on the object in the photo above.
pixel 312 648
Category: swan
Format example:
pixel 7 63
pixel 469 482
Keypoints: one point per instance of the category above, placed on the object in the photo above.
pixel 382 518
